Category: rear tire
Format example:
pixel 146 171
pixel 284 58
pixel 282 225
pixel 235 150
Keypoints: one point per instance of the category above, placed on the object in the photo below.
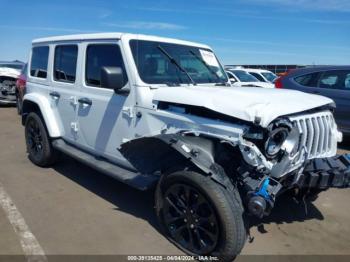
pixel 39 148
pixel 199 216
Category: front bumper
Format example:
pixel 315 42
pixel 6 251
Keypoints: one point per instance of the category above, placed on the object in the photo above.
pixel 318 175
pixel 7 99
pixel 323 173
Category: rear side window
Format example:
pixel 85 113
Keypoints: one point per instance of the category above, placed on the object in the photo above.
pixel 39 61
pixel 101 55
pixel 335 79
pixel 310 80
pixel 259 77
pixel 347 82
pixel 65 64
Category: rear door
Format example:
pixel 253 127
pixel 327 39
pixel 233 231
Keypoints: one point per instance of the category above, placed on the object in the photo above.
pixel 335 84
pixel 65 88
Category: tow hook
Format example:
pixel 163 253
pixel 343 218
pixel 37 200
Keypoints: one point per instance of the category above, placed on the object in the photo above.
pixel 261 197
pixel 258 201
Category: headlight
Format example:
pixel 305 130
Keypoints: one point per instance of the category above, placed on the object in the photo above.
pixel 275 141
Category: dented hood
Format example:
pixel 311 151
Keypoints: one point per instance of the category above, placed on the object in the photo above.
pixel 242 102
pixel 10 72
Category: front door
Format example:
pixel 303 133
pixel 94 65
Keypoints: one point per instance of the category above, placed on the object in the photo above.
pixel 103 114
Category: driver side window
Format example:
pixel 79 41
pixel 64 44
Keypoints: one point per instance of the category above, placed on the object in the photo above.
pixel 101 55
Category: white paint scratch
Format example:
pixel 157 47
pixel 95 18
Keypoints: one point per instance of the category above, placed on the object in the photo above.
pixel 31 247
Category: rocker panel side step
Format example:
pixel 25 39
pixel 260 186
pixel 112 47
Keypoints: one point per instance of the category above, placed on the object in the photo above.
pixel 136 180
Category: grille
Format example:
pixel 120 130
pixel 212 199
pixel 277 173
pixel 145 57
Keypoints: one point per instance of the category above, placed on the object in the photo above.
pixel 318 134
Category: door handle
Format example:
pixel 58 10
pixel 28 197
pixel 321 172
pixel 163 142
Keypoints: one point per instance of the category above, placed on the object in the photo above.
pixel 55 95
pixel 85 101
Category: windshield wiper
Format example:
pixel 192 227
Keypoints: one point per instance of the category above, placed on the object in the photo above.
pixel 173 61
pixel 221 82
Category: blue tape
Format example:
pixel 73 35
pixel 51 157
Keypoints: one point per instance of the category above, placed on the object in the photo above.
pixel 263 189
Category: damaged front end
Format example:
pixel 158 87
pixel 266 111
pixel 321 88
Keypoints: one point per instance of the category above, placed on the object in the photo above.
pixel 294 153
pixel 8 78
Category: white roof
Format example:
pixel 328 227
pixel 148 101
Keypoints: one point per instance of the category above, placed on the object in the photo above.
pixel 78 37
pixel 256 70
pixel 99 36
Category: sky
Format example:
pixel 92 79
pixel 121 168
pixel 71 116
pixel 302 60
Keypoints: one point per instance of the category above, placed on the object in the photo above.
pixel 240 31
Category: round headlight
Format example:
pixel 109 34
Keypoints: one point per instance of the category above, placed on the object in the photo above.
pixel 275 141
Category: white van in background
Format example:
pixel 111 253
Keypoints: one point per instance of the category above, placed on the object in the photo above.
pixel 262 75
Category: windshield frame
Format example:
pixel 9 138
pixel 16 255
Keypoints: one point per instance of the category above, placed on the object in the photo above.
pixel 180 43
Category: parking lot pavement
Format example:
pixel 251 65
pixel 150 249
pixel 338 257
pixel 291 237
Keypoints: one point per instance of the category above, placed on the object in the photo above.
pixel 72 209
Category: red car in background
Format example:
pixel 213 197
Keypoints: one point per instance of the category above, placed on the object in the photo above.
pixel 21 89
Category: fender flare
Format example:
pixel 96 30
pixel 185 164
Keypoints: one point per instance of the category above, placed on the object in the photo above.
pixel 48 114
pixel 147 154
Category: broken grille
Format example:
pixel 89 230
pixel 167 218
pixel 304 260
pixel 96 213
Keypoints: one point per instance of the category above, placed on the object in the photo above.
pixel 317 134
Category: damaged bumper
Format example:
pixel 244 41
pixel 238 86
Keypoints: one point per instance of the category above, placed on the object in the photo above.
pixel 7 91
pixel 318 175
pixel 323 173
pixel 7 100
pixel 8 79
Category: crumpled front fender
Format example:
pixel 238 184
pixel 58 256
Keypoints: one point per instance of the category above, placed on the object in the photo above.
pixel 166 151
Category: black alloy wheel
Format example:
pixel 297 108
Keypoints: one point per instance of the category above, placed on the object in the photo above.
pixel 190 219
pixel 34 139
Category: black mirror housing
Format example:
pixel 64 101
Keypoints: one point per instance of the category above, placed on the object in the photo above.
pixel 112 77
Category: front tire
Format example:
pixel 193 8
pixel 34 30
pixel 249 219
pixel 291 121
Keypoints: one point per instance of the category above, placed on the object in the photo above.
pixel 39 148
pixel 199 216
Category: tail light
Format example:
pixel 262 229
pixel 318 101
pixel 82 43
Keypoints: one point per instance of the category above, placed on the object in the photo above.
pixel 278 82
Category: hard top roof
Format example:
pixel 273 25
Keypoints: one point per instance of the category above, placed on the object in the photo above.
pixel 113 35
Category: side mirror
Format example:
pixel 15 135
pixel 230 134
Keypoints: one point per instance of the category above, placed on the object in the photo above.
pixel 232 80
pixel 112 78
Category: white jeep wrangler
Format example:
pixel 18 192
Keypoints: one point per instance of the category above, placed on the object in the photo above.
pixel 160 113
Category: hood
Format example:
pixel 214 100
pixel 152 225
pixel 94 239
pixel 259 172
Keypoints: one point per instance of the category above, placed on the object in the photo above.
pixel 254 84
pixel 241 102
pixel 10 72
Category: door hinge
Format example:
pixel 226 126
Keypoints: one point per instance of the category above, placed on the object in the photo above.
pixel 128 111
pixel 74 126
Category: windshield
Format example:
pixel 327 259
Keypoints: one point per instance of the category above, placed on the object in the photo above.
pixel 269 76
pixel 243 76
pixel 173 64
pixel 14 66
